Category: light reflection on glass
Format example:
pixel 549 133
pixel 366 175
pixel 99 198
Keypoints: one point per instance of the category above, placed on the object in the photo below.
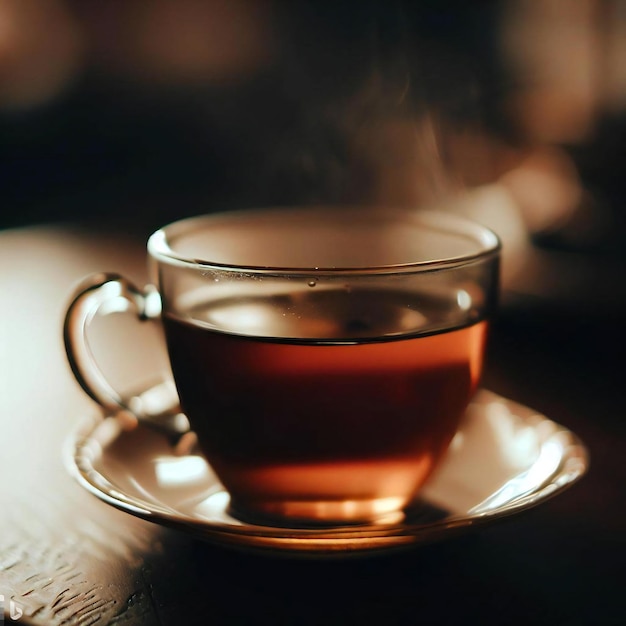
pixel 463 299
pixel 215 507
pixel 175 471
pixel 248 319
pixel 544 467
pixel 118 304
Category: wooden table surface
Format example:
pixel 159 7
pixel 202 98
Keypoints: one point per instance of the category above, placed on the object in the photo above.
pixel 66 558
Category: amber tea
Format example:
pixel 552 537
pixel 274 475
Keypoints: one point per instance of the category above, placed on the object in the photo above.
pixel 312 427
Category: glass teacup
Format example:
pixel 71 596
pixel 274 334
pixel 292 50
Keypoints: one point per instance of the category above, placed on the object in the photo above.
pixel 323 356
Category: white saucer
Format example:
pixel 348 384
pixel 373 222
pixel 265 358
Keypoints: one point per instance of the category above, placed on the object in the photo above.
pixel 505 459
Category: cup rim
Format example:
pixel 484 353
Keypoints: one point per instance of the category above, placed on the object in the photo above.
pixel 160 249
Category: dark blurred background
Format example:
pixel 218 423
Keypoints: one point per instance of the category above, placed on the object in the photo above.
pixel 161 109
pixel 512 111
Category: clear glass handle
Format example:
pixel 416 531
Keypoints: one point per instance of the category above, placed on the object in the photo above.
pixel 102 294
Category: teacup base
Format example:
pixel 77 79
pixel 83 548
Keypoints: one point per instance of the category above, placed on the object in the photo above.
pixel 318 494
pixel 321 513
